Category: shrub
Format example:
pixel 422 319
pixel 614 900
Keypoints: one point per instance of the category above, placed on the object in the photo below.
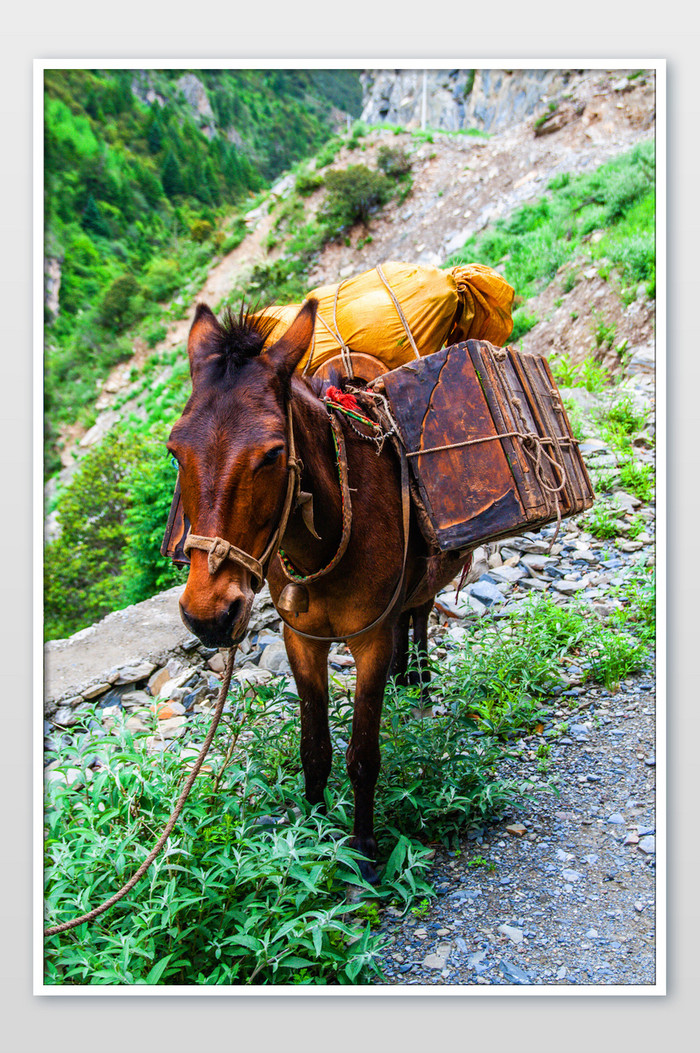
pixel 83 566
pixel 154 336
pixel 152 484
pixel 162 279
pixel 307 182
pixel 119 306
pixel 201 230
pixel 393 161
pixel 352 195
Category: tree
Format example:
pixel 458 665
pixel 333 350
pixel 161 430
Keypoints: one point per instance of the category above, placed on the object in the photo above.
pixel 83 567
pixel 93 220
pixel 171 176
pixel 118 308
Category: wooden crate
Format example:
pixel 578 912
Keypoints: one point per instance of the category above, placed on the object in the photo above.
pixel 488 441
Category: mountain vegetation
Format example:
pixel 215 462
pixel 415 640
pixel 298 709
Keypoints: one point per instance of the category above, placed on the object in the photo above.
pixel 141 168
pixel 129 266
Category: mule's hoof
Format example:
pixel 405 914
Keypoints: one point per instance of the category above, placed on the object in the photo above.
pixel 367 847
pixel 368 871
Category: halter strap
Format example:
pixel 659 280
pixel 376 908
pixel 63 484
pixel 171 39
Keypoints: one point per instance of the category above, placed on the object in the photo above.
pixel 219 549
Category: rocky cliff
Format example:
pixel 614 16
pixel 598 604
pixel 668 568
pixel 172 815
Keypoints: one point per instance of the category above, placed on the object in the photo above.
pixel 456 99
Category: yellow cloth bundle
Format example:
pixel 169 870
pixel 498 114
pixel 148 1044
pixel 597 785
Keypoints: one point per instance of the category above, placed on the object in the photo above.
pixel 400 311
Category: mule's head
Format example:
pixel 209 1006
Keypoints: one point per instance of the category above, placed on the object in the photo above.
pixel 231 444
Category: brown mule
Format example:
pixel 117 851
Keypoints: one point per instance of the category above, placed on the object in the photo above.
pixel 253 437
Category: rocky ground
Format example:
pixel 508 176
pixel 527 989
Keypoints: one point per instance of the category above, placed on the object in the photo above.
pixel 562 891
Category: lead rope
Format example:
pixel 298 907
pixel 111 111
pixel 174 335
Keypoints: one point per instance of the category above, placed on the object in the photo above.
pixel 136 877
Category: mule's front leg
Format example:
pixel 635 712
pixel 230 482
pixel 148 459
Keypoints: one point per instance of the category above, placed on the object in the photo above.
pixel 309 662
pixel 372 658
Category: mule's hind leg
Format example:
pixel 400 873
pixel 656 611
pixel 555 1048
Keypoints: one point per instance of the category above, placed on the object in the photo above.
pixel 372 658
pixel 421 616
pixel 309 662
pixel 399 661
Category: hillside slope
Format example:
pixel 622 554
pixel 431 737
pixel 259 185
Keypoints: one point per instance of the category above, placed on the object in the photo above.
pixel 459 189
pixel 460 184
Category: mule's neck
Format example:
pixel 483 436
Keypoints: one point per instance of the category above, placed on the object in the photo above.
pixel 314 446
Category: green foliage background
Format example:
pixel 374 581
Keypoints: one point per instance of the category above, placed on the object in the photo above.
pixel 132 185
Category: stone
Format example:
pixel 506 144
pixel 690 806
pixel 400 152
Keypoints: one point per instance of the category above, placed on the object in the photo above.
pixel 485 592
pixel 130 674
pixel 74 777
pixel 168 709
pixel 134 699
pixel 513 934
pixel 216 663
pixel 534 583
pixel 439 958
pixel 96 689
pixel 647 845
pixel 628 501
pixel 507 573
pixel 513 973
pixel 567 588
pixel 172 727
pixel 274 658
pixel 616 818
pixel 571 875
pixel 157 680
pixel 65 717
pixel 536 561
pixel 516 829
pixel 252 675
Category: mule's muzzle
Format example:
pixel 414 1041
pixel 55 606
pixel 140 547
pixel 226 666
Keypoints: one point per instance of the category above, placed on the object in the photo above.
pixel 225 629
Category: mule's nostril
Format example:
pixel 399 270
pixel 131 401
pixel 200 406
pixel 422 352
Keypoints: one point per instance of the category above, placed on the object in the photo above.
pixel 216 631
pixel 233 614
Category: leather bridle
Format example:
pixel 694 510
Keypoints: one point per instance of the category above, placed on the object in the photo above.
pixel 219 549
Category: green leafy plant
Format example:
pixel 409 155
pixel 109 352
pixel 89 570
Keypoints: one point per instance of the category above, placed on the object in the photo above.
pixel 352 195
pixel 637 479
pixel 393 161
pixel 602 520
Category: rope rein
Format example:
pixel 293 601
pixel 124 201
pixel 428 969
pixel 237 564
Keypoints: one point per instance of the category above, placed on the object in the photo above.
pixel 346 509
pixel 175 814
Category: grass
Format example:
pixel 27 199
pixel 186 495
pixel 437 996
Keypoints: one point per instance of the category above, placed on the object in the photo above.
pixel 589 373
pixel 540 237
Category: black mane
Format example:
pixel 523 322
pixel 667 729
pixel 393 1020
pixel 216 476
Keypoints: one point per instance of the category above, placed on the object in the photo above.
pixel 241 338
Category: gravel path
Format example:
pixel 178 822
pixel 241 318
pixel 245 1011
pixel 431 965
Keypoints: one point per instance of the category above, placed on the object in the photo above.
pixel 563 890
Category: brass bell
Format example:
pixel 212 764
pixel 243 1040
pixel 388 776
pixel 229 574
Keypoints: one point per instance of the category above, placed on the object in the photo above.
pixel 294 599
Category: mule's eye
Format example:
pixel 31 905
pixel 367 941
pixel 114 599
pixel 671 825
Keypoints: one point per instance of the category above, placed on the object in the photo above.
pixel 271 456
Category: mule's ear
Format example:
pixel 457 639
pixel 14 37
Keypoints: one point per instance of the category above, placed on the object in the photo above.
pixel 289 350
pixel 203 341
